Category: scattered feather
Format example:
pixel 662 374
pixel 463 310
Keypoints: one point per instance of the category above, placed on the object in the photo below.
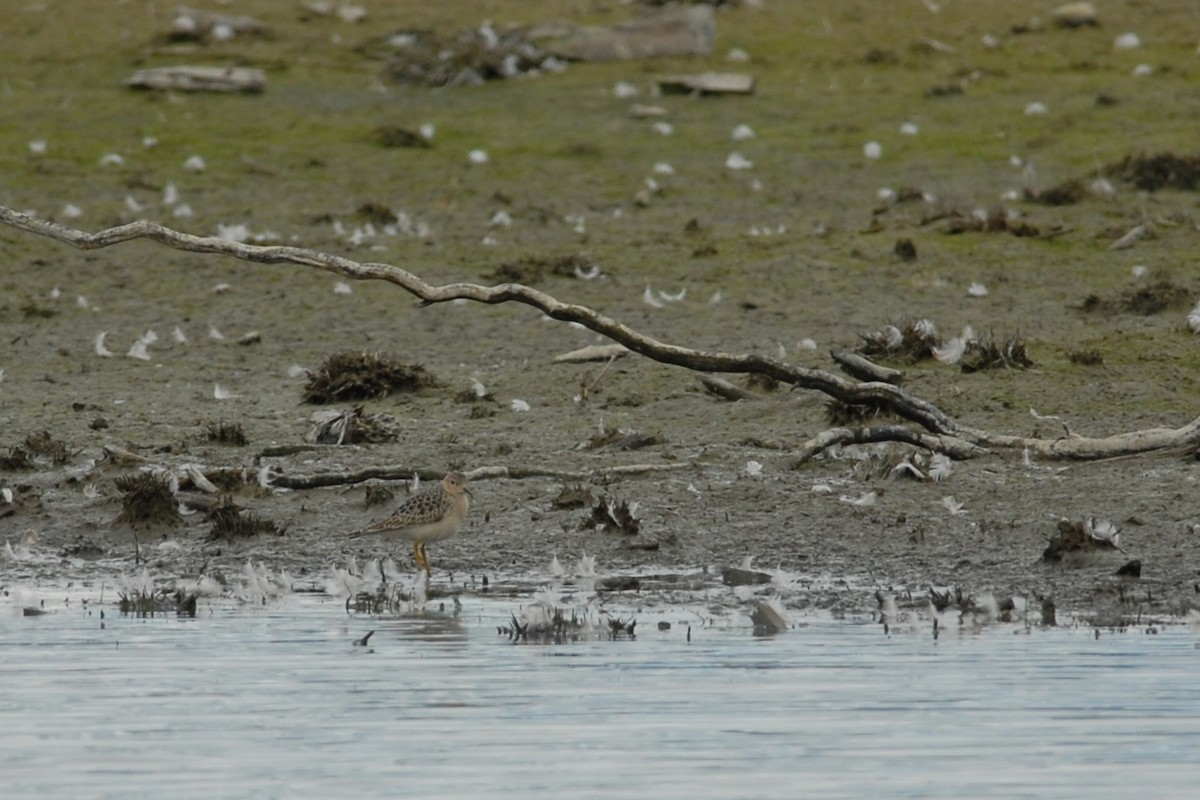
pixel 1193 318
pixel 591 274
pixel 663 168
pixel 170 195
pixel 72 211
pixel 182 210
pixel 199 480
pixel 1127 41
pixel 753 468
pixel 501 219
pixel 950 352
pixel 297 371
pixel 663 128
pixel 873 150
pixel 112 160
pixel 139 349
pixel 907 467
pixel 1035 109
pixel 478 156
pixel 1104 530
pixel 213 333
pixel 649 298
pixel 341 287
pixel 101 350
pixel 1131 238
pixel 909 129
pixel 863 500
pixel 221 393
pixel 237 233
pixel 940 467
pixel 738 161
pixel 37 147
pixel 623 90
pixel 977 290
pixel 742 133
pixel 673 298
pixel 179 336
pixel 952 505
pixel 519 405
pixel 195 164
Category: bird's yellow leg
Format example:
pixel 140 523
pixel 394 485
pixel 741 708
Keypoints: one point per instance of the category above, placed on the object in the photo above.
pixel 417 555
pixel 425 558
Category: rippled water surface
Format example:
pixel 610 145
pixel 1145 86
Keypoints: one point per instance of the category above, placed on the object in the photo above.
pixel 277 702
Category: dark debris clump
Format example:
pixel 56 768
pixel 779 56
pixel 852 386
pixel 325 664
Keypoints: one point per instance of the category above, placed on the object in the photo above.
pixel 912 340
pixel 1067 193
pixel 614 515
pixel 147 500
pixel 36 447
pixel 995 221
pixel 231 522
pixel 378 495
pixel 573 495
pixel 532 269
pixel 352 426
pixel 467 58
pixel 840 414
pixel 989 353
pixel 359 375
pixel 1161 171
pixel 226 433
pixel 1154 298
pixel 1082 537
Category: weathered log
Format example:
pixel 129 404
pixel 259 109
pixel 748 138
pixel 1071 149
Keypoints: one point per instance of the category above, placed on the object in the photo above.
pixel 199 79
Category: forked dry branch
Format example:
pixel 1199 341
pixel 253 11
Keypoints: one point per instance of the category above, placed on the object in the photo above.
pixel 941 432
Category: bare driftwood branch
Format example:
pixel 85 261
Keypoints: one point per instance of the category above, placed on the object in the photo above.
pixel 482 473
pixel 199 79
pixel 861 367
pixel 724 389
pixel 952 446
pixel 944 429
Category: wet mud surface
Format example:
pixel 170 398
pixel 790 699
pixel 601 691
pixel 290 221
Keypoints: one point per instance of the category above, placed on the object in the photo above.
pixel 808 254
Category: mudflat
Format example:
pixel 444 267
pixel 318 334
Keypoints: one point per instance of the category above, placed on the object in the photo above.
pixel 966 164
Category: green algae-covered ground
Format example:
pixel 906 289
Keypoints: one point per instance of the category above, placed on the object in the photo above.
pixel 800 246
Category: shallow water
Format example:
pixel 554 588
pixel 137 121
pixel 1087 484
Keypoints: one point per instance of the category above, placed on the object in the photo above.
pixel 277 702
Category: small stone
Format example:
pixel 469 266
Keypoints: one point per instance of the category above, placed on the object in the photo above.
pixel 1075 15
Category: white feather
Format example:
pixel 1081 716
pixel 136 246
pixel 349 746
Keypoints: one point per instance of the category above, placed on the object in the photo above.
pixel 101 350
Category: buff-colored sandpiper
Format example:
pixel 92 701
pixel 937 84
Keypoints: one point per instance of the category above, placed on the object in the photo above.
pixel 429 516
